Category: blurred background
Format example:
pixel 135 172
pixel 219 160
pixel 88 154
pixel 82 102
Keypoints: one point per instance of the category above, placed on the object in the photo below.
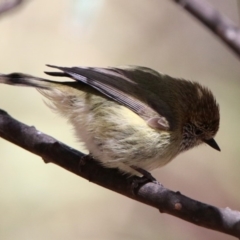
pixel 39 201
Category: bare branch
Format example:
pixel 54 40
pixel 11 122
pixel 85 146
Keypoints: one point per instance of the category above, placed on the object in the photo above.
pixel 155 195
pixel 9 5
pixel 223 27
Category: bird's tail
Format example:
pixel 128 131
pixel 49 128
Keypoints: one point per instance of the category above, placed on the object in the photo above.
pixel 21 79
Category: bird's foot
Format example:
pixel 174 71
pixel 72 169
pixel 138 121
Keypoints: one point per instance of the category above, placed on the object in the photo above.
pixel 147 177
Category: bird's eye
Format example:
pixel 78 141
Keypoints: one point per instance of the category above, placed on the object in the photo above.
pixel 198 132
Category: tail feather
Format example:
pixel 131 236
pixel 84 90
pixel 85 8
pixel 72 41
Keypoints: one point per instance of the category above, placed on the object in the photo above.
pixel 21 79
pixel 57 74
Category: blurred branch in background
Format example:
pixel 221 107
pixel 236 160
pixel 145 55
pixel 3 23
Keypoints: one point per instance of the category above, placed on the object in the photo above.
pixel 223 27
pixel 166 201
pixel 222 220
pixel 8 5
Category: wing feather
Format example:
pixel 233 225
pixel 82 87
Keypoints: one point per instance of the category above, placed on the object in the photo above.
pixel 126 87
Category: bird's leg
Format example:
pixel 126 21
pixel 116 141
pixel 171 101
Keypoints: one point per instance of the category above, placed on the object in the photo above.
pixel 145 173
pixel 146 178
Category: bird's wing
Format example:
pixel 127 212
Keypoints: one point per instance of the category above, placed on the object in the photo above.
pixel 127 87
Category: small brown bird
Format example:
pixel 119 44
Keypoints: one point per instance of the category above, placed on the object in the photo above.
pixel 132 118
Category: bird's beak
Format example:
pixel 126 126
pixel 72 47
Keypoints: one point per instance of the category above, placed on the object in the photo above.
pixel 212 143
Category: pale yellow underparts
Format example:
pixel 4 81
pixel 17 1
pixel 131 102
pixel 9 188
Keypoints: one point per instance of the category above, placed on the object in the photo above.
pixel 112 133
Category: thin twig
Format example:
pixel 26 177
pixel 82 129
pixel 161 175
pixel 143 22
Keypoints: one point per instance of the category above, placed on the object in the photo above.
pixel 155 195
pixel 223 27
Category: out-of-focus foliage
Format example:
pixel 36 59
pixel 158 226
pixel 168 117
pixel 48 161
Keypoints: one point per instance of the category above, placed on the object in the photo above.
pixel 39 201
